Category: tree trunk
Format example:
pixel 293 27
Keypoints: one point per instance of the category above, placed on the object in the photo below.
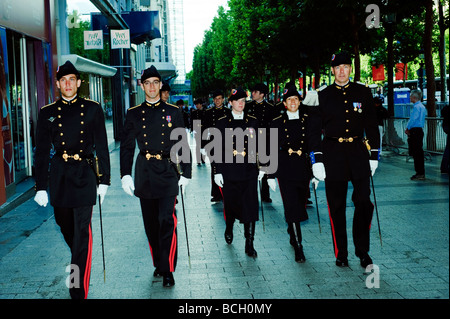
pixel 429 68
pixel 357 61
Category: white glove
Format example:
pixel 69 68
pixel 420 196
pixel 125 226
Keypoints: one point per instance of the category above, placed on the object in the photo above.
pixel 261 175
pixel 41 198
pixel 315 182
pixel 319 171
pixel 101 191
pixel 311 99
pixel 218 179
pixel 373 166
pixel 128 185
pixel 272 184
pixel 183 182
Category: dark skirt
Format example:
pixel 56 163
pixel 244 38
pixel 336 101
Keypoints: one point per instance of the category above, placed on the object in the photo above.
pixel 294 195
pixel 240 200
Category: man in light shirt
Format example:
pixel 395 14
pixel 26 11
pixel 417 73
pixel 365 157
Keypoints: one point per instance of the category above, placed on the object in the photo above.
pixel 414 130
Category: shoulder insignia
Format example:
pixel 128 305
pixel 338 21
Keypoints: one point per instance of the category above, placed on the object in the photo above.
pixel 221 117
pixel 173 105
pixel 322 88
pixel 251 116
pixel 134 107
pixel 48 105
pixel 278 117
pixel 91 100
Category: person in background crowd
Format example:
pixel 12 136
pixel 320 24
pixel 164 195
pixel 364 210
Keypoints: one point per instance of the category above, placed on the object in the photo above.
pixel 414 130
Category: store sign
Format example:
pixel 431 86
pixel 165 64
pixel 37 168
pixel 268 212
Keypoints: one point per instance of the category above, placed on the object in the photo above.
pixel 93 40
pixel 120 39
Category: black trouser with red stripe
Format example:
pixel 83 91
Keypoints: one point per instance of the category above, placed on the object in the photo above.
pixel 75 224
pixel 160 223
pixel 336 192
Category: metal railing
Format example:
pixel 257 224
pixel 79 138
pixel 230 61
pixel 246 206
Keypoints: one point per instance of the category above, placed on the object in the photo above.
pixel 434 140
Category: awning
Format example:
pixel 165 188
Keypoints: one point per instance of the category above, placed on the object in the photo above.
pixel 89 66
pixel 144 25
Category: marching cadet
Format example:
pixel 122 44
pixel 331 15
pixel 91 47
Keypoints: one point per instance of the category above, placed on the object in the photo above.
pixel 237 173
pixel 263 111
pixel 211 116
pixel 75 128
pixel 346 115
pixel 197 127
pixel 294 168
pixel 156 176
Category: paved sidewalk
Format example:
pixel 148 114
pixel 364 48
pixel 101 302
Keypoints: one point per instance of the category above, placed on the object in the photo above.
pixel 411 263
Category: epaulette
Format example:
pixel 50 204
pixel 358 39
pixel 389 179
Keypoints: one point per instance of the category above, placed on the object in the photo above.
pixel 134 107
pixel 278 117
pixel 222 117
pixel 172 105
pixel 47 105
pixel 322 88
pixel 91 100
pixel 251 116
pixel 365 84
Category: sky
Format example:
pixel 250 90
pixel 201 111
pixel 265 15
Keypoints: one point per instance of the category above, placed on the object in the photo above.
pixel 198 16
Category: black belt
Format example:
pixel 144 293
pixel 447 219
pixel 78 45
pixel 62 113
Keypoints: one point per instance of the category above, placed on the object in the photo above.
pixel 350 139
pixel 149 155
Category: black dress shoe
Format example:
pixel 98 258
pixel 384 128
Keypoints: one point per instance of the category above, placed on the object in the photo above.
pixel 157 273
pixel 343 262
pixel 365 260
pixel 168 280
pixel 229 235
pixel 299 255
pixel 216 199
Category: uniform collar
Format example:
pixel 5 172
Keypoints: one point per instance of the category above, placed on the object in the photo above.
pixel 67 102
pixel 154 104
pixel 237 116
pixel 293 116
pixel 342 86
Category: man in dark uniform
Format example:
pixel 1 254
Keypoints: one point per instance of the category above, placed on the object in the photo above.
pixel 156 176
pixel 346 115
pixel 237 173
pixel 263 111
pixel 75 128
pixel 294 168
pixel 197 127
pixel 211 116
pixel 165 92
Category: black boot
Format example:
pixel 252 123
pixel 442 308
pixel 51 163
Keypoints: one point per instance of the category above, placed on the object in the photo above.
pixel 295 234
pixel 229 230
pixel 249 233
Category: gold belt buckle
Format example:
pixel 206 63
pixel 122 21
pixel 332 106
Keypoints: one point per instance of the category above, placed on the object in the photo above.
pixel 149 156
pixel 240 153
pixel 291 151
pixel 66 156
pixel 341 139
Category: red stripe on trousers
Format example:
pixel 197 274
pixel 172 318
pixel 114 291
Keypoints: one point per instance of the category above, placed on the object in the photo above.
pixel 87 272
pixel 173 246
pixel 336 250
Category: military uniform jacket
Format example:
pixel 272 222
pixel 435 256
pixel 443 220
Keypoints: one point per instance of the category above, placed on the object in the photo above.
pixel 76 130
pixel 213 114
pixel 293 158
pixel 239 159
pixel 263 111
pixel 345 115
pixel 156 173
